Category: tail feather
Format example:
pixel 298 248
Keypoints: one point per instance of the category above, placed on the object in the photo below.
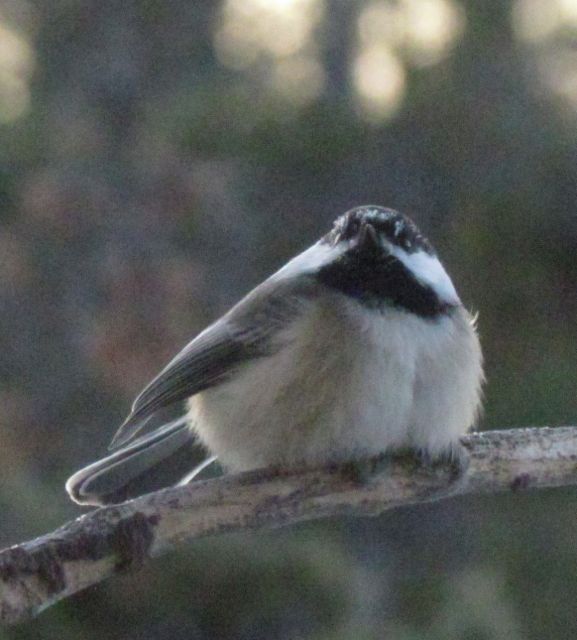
pixel 197 471
pixel 152 462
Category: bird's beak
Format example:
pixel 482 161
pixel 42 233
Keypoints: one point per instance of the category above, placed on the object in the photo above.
pixel 368 238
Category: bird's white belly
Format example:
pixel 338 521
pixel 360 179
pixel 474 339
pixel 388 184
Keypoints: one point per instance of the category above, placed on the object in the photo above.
pixel 344 386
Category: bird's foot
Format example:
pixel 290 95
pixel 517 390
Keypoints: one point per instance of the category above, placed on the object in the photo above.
pixel 365 470
pixel 456 459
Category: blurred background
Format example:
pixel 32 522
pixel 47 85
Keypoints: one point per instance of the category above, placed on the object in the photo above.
pixel 160 158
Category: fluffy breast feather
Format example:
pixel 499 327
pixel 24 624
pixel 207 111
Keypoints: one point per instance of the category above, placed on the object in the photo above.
pixel 347 382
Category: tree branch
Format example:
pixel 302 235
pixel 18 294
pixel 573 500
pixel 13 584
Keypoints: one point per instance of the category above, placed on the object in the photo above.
pixel 39 573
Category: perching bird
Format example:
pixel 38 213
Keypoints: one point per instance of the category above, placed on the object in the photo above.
pixel 358 346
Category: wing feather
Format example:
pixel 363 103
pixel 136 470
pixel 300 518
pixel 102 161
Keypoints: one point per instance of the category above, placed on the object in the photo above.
pixel 247 332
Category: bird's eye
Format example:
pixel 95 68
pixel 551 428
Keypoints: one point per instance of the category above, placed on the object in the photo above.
pixel 350 228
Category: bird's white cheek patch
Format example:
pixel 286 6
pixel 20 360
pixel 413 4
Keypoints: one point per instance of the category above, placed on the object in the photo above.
pixel 311 260
pixel 429 271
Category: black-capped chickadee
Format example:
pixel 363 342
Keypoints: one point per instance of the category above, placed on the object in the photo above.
pixel 359 345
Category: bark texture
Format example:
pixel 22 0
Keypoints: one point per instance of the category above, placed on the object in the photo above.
pixel 39 573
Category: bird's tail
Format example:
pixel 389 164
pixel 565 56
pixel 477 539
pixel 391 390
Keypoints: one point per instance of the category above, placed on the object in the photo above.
pixel 154 461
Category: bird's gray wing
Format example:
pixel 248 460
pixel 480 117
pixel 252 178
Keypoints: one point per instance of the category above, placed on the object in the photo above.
pixel 247 332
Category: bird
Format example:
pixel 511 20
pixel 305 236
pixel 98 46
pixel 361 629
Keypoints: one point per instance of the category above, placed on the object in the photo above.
pixel 359 346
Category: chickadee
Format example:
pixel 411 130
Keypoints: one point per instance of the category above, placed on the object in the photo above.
pixel 359 345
